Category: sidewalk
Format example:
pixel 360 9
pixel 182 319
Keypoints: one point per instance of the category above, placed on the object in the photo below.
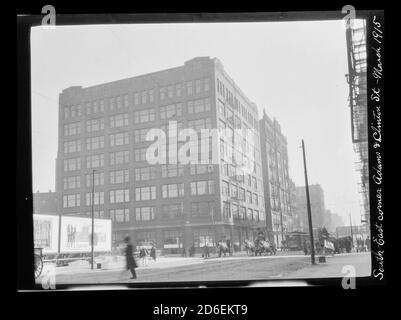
pixel 334 266
pixel 117 263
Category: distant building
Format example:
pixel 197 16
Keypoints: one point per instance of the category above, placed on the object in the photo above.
pixel 332 221
pixel 358 232
pixel 45 202
pixel 327 222
pixel 337 220
pixel 318 209
pixel 275 179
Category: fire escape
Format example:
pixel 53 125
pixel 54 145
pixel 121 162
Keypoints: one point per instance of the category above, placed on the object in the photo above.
pixel 356 78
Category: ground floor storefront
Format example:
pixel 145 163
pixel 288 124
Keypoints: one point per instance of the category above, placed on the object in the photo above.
pixel 192 238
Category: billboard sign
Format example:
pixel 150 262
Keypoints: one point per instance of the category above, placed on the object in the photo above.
pixel 76 234
pixel 45 232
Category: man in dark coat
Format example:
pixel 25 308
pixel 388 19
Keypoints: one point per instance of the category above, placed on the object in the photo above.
pixel 367 242
pixel 153 253
pixel 305 247
pixel 205 251
pixel 131 264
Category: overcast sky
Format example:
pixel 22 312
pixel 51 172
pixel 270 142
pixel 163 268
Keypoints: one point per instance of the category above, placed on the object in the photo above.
pixel 295 70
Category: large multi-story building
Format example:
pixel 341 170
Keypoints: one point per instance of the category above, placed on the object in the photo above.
pixel 318 208
pixel 276 179
pixel 102 138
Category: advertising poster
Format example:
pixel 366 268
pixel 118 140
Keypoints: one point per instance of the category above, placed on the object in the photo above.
pixel 45 229
pixel 76 234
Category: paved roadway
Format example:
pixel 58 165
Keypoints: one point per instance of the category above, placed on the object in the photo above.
pixel 214 269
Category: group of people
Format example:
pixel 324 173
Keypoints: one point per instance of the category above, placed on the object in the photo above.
pixel 363 245
pixel 71 231
pixel 223 247
pixel 343 244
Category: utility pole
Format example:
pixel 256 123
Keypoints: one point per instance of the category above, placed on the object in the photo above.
pixel 352 233
pixel 93 217
pixel 308 207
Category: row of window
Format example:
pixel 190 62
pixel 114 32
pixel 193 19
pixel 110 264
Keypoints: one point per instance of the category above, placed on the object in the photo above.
pixel 115 196
pixel 141 174
pixel 229 170
pixel 235 192
pixel 173 190
pixel 122 138
pixel 140 116
pixel 115 158
pixel 123 157
pixel 173 211
pixel 139 98
pixel 243 213
pixel 235 103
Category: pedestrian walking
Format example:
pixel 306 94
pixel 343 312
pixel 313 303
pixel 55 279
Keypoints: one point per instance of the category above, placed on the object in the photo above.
pixel 205 251
pixel 131 264
pixel 153 253
pixel 228 242
pixel 305 248
pixel 191 251
pixel 184 252
pixel 367 242
pixel 142 256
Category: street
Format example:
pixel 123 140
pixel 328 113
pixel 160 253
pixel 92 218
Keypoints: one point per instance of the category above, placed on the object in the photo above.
pixel 177 269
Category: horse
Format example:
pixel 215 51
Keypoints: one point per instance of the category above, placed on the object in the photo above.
pixel 263 246
pixel 249 247
pixel 222 247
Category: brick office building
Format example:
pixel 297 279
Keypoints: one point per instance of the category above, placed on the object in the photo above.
pixel 279 210
pixel 102 136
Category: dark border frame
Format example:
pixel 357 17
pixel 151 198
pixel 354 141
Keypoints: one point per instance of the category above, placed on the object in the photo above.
pixel 24 159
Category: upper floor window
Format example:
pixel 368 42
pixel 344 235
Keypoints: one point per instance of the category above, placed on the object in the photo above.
pixel 172 110
pixel 173 190
pixel 197 106
pixel 189 88
pixel 71 200
pixel 72 164
pixel 143 116
pixel 119 120
pixel 94 125
pixel 119 139
pixel 71 129
pixel 202 187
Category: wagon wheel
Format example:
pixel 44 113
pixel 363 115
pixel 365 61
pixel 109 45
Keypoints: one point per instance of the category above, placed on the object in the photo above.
pixel 38 266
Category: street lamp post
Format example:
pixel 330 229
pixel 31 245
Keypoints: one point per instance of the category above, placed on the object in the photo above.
pixel 308 207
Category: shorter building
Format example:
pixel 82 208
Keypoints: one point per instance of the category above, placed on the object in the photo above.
pixel 332 221
pixel 357 232
pixel 336 220
pixel 318 209
pixel 45 202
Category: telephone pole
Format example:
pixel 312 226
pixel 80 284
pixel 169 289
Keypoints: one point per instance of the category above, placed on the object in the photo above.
pixel 93 217
pixel 308 207
pixel 352 233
